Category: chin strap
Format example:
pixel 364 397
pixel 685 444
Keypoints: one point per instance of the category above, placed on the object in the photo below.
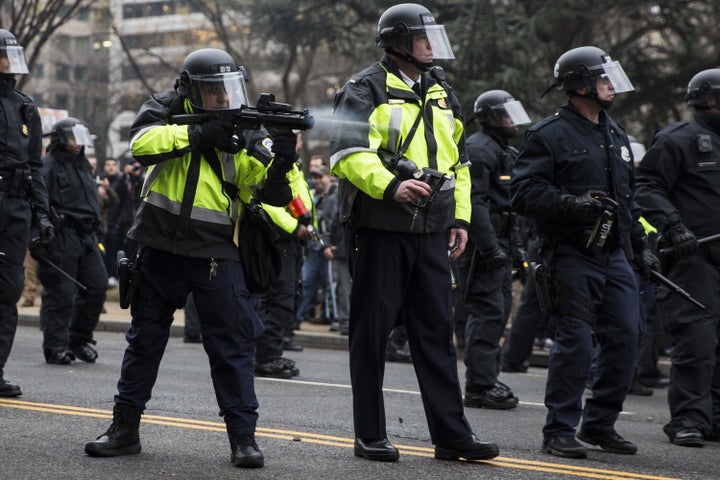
pixel 410 59
pixel 604 104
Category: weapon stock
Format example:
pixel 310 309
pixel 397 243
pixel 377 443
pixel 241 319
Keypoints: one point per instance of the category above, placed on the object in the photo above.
pixel 676 288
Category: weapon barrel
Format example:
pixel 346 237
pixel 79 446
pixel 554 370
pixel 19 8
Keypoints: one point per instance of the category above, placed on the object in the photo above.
pixel 251 118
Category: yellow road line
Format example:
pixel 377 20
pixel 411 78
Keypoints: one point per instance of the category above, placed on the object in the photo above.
pixel 329 440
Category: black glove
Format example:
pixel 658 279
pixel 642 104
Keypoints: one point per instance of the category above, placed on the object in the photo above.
pixel 217 133
pixel 284 143
pixel 646 262
pixel 683 241
pixel 37 250
pixel 494 259
pixel 583 208
pixel 45 228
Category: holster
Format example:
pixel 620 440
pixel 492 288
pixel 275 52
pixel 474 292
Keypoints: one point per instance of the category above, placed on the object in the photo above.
pixel 128 279
pixel 543 285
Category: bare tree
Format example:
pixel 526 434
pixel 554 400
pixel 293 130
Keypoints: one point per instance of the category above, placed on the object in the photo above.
pixel 33 22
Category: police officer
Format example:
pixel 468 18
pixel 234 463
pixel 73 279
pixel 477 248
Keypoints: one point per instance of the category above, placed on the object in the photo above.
pixel 486 265
pixel 23 196
pixel 679 192
pixel 69 314
pixel 405 193
pixel 277 307
pixel 184 229
pixel 574 172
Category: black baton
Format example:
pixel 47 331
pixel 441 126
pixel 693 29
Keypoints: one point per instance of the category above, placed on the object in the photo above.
pixel 676 288
pixel 700 241
pixel 67 275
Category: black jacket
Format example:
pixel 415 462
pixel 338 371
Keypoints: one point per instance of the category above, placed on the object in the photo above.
pixel 72 188
pixel 491 171
pixel 21 141
pixel 679 178
pixel 568 154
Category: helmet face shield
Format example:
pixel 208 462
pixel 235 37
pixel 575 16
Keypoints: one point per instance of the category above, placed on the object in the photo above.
pixel 81 134
pixel 223 91
pixel 614 73
pixel 515 112
pixel 12 60
pixel 437 38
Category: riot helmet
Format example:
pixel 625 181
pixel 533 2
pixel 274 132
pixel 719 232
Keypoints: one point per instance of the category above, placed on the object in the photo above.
pixel 703 91
pixel 12 55
pixel 70 132
pixel 211 80
pixel 498 109
pixel 584 66
pixel 400 24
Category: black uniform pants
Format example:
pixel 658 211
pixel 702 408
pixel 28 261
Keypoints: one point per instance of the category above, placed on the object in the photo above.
pixel 487 305
pixel 694 392
pixel 606 284
pixel 228 323
pixel 277 307
pixel 404 275
pixel 69 314
pixel 14 228
pixel 651 337
pixel 529 322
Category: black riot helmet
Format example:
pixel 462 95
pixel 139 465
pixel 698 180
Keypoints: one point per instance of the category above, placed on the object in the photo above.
pixel 497 108
pixel 12 55
pixel 69 131
pixel 400 23
pixel 583 66
pixel 703 91
pixel 211 80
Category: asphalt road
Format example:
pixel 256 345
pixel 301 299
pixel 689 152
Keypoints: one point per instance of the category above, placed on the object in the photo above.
pixel 305 428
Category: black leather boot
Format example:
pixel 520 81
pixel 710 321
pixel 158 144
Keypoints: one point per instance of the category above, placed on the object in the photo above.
pixel 122 438
pixel 7 389
pixel 245 452
pixel 84 350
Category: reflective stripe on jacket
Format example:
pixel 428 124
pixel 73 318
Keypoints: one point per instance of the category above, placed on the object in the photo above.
pixel 184 208
pixel 375 110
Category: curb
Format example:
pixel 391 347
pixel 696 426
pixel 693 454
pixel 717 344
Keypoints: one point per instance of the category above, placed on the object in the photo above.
pixel 306 339
pixel 539 358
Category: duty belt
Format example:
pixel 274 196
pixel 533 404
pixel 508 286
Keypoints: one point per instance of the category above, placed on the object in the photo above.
pixel 17 184
pixel 82 228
